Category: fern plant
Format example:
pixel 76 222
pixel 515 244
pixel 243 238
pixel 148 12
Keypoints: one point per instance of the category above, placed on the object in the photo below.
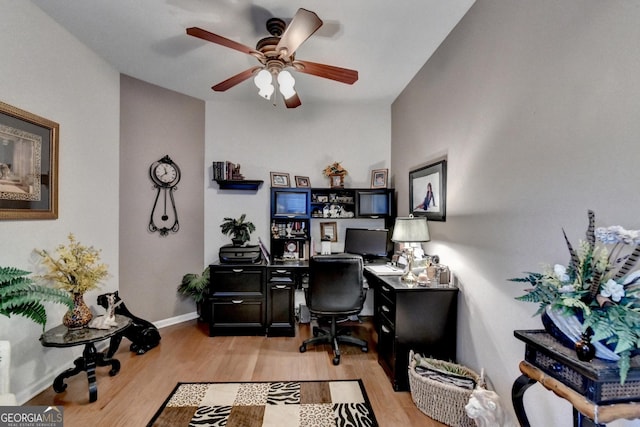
pixel 19 295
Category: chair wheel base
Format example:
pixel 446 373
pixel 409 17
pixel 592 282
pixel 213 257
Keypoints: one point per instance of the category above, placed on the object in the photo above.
pixel 365 349
pixel 303 348
pixel 336 361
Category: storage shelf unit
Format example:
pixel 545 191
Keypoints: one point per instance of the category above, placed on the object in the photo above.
pixel 292 210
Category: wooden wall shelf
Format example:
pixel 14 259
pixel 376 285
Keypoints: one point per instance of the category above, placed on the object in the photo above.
pixel 245 184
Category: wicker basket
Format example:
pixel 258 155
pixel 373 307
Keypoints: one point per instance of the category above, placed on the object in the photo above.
pixel 442 402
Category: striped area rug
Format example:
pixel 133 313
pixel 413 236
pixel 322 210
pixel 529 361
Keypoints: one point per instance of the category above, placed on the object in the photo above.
pixel 339 403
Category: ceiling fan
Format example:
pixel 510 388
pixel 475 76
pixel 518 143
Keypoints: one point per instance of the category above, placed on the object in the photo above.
pixel 276 53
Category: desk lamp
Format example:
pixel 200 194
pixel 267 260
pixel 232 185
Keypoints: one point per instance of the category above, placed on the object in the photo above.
pixel 410 230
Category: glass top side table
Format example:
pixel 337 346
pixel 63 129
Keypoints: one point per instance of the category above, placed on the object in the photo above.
pixel 60 336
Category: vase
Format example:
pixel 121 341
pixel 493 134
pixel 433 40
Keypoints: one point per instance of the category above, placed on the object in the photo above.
pixel 79 316
pixel 567 329
pixel 585 349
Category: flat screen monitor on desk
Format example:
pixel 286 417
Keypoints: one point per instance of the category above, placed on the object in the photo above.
pixel 372 244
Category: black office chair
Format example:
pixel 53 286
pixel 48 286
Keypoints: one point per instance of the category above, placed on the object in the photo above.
pixel 336 290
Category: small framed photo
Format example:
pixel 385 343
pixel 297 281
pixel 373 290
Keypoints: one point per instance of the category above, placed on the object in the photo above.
pixel 303 181
pixel 337 181
pixel 329 231
pixel 280 179
pixel 428 191
pixel 379 178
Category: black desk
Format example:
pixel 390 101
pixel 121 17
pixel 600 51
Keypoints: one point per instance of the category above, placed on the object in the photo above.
pixel 422 319
pixel 593 388
pixel 60 336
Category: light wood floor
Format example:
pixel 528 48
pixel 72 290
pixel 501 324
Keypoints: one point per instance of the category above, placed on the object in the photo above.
pixel 187 353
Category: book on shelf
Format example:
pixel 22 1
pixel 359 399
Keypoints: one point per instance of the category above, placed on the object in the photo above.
pixel 226 171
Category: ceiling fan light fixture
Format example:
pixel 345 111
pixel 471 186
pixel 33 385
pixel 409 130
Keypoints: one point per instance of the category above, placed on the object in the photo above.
pixel 263 81
pixel 285 84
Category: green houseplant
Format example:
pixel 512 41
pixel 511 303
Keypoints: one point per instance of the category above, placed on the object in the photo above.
pixel 239 229
pixel 196 287
pixel 19 295
pixel 599 288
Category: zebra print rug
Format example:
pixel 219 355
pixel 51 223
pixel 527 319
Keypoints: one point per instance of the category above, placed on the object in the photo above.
pixel 339 403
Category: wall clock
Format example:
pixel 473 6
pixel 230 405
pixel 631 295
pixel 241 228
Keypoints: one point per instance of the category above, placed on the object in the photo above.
pixel 165 175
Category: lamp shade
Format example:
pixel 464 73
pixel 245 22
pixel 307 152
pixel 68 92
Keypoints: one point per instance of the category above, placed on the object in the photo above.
pixel 263 80
pixel 410 229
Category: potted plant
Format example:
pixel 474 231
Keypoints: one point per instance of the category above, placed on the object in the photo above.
pixel 196 286
pixel 239 229
pixel 77 269
pixel 19 295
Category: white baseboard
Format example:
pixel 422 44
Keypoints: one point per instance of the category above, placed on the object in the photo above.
pixel 175 320
pixel 46 381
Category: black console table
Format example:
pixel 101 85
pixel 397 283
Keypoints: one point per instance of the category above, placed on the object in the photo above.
pixel 593 388
pixel 60 336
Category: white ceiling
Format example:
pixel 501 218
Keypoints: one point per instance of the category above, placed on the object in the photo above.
pixel 387 42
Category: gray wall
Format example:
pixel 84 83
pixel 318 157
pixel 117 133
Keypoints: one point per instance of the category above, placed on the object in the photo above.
pixel 156 122
pixel 534 104
pixel 47 72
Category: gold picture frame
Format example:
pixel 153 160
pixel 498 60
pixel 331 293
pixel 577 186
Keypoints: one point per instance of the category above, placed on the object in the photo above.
pixel 28 165
pixel 329 231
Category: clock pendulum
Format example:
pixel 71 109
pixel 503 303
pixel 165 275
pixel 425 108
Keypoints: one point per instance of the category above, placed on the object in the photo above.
pixel 165 175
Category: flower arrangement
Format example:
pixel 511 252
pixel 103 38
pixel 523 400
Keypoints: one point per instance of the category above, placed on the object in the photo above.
pixel 599 286
pixel 335 168
pixel 76 268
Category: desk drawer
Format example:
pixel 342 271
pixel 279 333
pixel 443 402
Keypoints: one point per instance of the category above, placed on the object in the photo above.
pixel 387 292
pixel 228 312
pixel 279 274
pixel 387 312
pixel 234 280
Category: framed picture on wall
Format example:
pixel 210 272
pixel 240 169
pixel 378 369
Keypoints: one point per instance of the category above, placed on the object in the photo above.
pixel 428 191
pixel 329 231
pixel 280 179
pixel 28 165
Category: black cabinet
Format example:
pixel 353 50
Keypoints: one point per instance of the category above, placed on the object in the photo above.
pixel 237 299
pixel 254 299
pixel 421 319
pixel 281 287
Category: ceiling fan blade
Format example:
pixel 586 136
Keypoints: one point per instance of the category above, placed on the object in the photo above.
pixel 238 78
pixel 223 41
pixel 343 75
pixel 293 101
pixel 303 25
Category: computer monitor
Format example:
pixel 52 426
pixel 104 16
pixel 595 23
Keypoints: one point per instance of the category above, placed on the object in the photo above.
pixel 369 242
pixel 290 203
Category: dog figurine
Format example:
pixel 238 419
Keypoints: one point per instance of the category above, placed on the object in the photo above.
pixel 143 334
pixel 108 320
pixel 485 409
